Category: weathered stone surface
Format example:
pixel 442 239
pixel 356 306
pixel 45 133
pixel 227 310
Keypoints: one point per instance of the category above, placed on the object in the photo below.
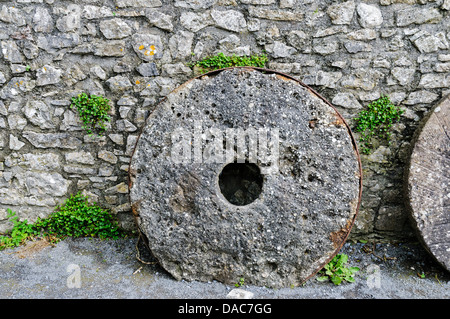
pixel 48 75
pixel 38 113
pixel 107 156
pixel 325 46
pixel 426 42
pixel 138 3
pixel 363 34
pixel 229 20
pixel 427 187
pixel 403 61
pixel 341 13
pixel 42 20
pixel 259 2
pixel 115 29
pixel 73 169
pixel 12 15
pixel 2 78
pixel 195 21
pixel 125 125
pixel 280 50
pixel 122 67
pixel 330 31
pixel 15 197
pixel 16 122
pixel 97 71
pixel 71 21
pixel 365 79
pixel 94 12
pixel 124 111
pixel 131 143
pixel 446 5
pixel 47 140
pixel 116 138
pixel 442 67
pixel 180 45
pixel 395 44
pixel 369 16
pixel 309 194
pixel 412 15
pixel 127 100
pixel 14 143
pixel 3 110
pixel 431 81
pixel 297 39
pixel 71 122
pixel 388 2
pixel 404 76
pixel 147 46
pixel 277 15
pixel 380 155
pixel 11 51
pixel 148 69
pixel 18 68
pixel 115 48
pixel 172 70
pixel 231 45
pixel 357 46
pixel 43 183
pixel 325 79
pixel 346 100
pixel 62 40
pixel 80 157
pixel 421 97
pixel 119 188
pixel 159 19
pixel 118 83
pixel 39 162
pixel 194 4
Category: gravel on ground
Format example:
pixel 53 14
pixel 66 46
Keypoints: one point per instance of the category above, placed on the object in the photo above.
pixel 86 268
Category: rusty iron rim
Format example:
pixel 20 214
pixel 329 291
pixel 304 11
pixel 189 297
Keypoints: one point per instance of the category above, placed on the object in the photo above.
pixel 290 77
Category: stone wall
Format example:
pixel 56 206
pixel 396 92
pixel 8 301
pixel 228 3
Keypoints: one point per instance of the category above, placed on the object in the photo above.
pixel 135 52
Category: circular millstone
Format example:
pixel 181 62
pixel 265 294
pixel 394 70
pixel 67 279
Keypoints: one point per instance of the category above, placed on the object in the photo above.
pixel 428 186
pixel 213 208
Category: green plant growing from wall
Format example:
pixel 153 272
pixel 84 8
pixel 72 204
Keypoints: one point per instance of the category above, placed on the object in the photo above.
pixel 221 61
pixel 76 217
pixel 337 271
pixel 376 121
pixel 21 232
pixel 93 111
pixel 240 283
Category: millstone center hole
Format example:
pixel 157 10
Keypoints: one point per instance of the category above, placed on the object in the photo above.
pixel 241 183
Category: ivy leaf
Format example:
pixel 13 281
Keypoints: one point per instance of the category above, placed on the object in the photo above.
pixel 336 280
pixel 336 270
pixel 322 278
pixel 92 110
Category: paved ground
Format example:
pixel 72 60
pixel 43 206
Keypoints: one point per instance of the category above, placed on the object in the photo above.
pixel 95 269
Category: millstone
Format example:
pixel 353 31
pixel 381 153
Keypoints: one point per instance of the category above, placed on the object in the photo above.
pixel 428 186
pixel 245 173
